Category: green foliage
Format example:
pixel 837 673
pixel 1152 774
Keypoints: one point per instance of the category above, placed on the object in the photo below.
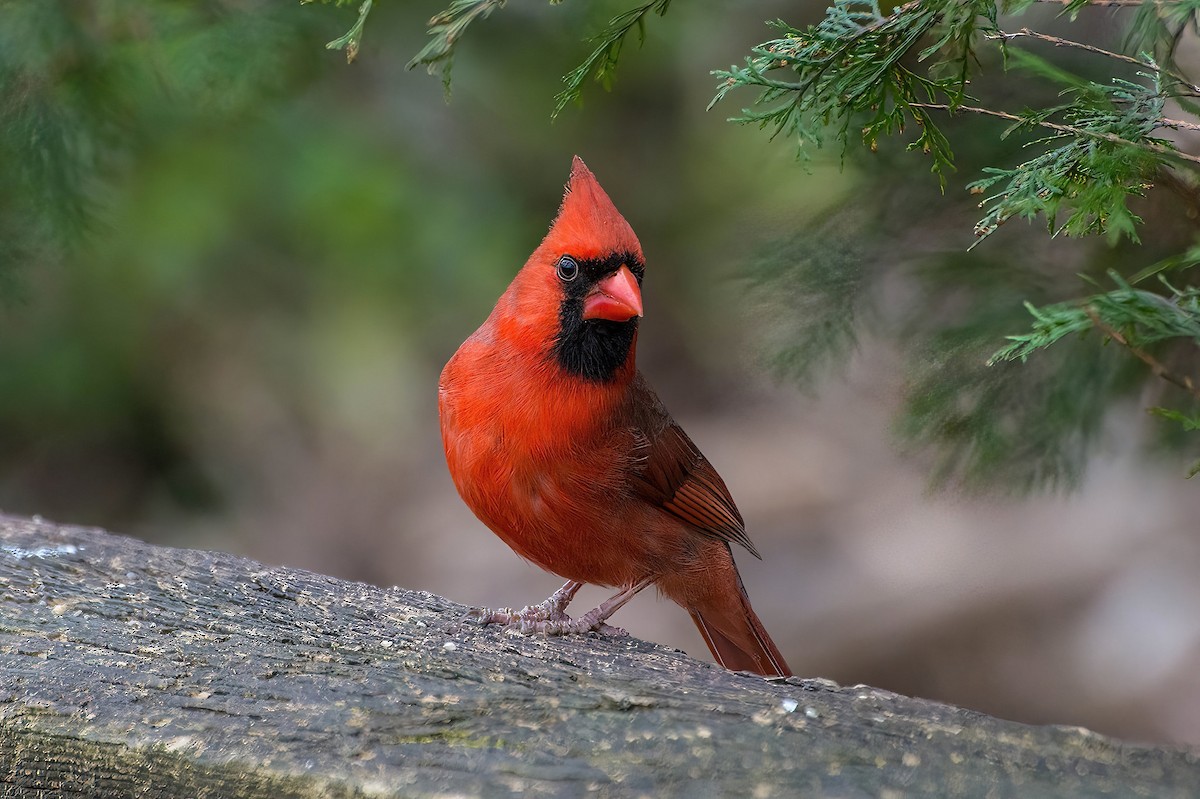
pixel 1188 258
pixel 1158 27
pixel 854 69
pixel 1094 168
pixel 1140 318
pixel 1135 318
pixel 82 84
pixel 95 98
pixel 601 63
pixel 351 39
pixel 857 70
pixel 811 285
pixel 1188 421
pixel 1023 428
pixel 850 70
pixel 445 30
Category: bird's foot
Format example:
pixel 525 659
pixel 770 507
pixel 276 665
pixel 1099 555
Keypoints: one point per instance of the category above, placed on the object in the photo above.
pixel 547 621
pixel 592 621
pixel 542 617
pixel 529 616
pixel 565 625
pixel 550 618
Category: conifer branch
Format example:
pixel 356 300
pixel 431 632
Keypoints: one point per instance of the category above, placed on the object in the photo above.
pixel 445 30
pixel 351 39
pixel 601 63
pixel 1150 146
pixel 1156 366
pixel 1177 124
pixel 1060 42
pixel 1104 3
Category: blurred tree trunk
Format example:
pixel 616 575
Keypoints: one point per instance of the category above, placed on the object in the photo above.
pixel 133 670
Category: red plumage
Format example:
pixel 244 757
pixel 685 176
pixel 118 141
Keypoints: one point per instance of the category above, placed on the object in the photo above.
pixel 558 444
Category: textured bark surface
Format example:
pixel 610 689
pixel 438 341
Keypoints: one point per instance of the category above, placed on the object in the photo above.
pixel 132 670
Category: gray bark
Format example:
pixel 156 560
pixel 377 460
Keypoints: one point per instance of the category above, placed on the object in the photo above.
pixel 129 670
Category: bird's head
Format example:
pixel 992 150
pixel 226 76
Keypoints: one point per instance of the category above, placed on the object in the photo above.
pixel 584 280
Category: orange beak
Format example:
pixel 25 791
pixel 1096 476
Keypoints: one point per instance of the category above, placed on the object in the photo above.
pixel 617 298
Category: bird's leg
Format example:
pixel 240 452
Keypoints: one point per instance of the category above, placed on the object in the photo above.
pixel 593 619
pixel 552 610
pixel 549 618
pixel 556 604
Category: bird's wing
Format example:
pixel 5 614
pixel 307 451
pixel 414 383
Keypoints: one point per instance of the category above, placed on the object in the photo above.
pixel 670 472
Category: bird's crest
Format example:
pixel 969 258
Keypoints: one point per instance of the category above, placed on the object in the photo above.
pixel 588 225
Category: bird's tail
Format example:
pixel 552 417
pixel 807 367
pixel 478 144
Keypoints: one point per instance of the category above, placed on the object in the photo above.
pixel 734 634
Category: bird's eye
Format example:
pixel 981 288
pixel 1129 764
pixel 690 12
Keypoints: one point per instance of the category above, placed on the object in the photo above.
pixel 567 269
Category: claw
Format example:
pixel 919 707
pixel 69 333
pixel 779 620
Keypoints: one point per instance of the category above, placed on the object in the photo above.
pixel 486 616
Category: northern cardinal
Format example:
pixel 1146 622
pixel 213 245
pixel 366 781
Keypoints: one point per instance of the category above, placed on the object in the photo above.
pixel 559 445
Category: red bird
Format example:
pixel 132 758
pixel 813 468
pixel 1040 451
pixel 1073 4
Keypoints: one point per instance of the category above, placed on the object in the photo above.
pixel 559 445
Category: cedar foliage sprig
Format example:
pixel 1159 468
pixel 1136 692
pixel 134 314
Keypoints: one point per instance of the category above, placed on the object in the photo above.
pixel 447 27
pixel 351 39
pixel 445 30
pixel 1134 314
pixel 80 86
pixel 865 72
pixel 848 69
pixel 852 69
pixel 601 62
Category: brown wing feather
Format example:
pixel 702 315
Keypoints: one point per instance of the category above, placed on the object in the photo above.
pixel 673 474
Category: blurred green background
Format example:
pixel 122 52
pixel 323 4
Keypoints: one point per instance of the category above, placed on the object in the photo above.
pixel 233 267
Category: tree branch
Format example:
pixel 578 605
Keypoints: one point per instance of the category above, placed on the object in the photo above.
pixel 1060 42
pixel 1075 131
pixel 1156 366
pixel 135 670
pixel 1133 3
pixel 1177 124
